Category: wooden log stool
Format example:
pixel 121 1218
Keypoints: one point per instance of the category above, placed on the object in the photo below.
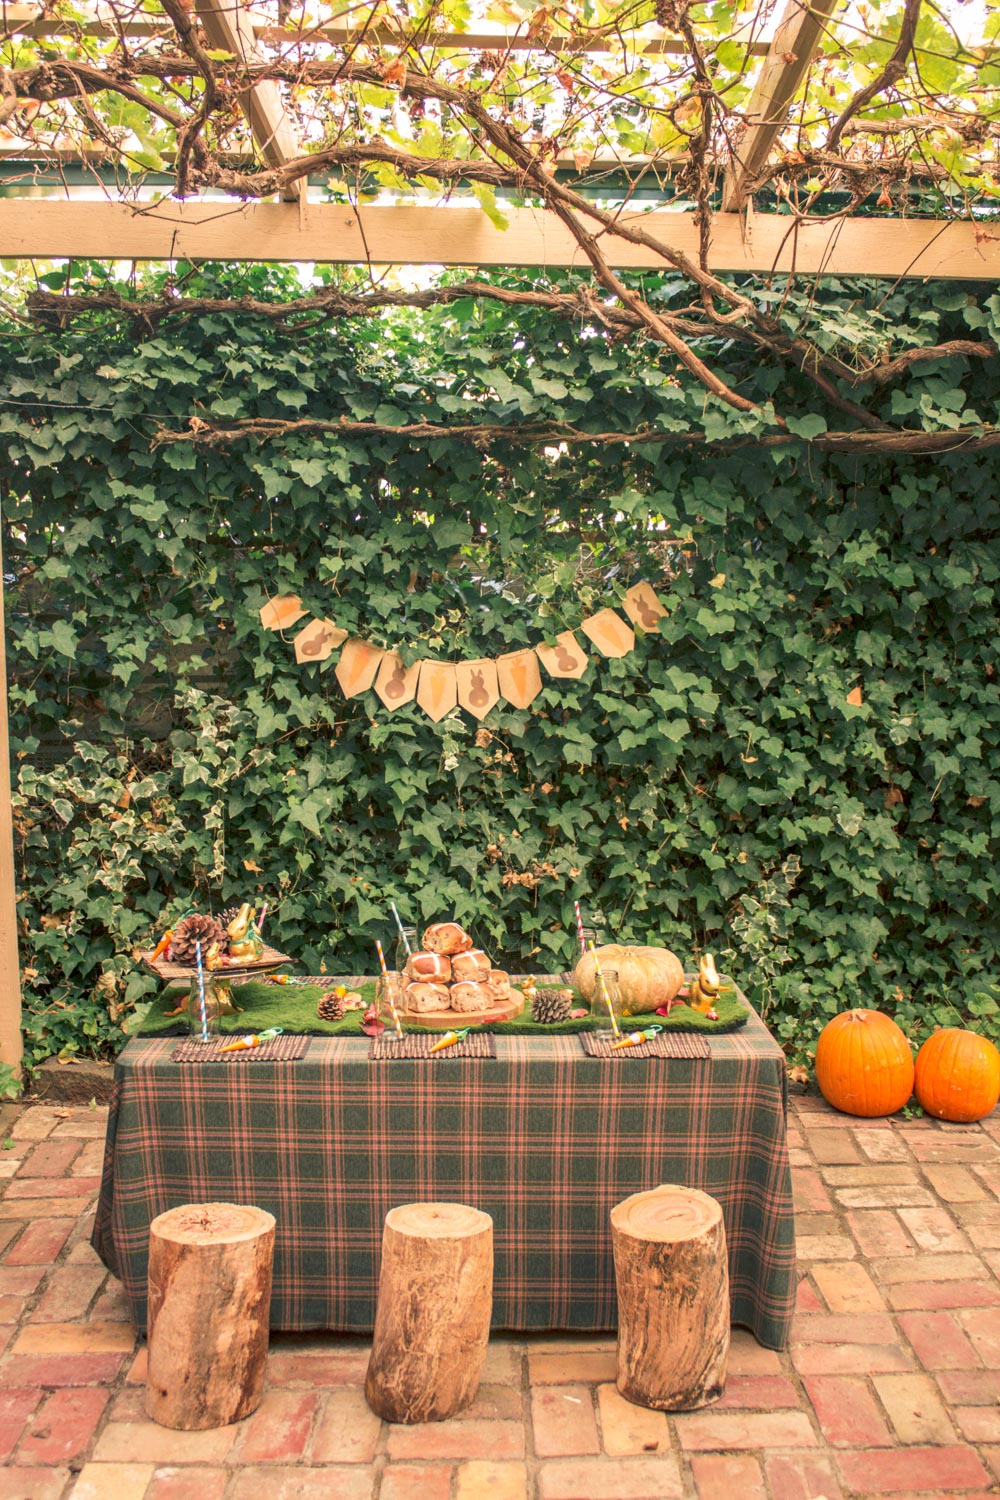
pixel 209 1300
pixel 672 1272
pixel 432 1319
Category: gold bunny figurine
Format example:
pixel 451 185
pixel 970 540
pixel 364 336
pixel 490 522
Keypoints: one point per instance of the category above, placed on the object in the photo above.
pixel 244 940
pixel 703 992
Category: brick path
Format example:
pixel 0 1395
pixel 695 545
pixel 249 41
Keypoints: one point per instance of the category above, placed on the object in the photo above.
pixel 890 1388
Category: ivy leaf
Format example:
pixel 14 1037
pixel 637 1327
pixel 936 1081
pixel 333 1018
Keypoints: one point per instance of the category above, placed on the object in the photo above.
pixel 810 426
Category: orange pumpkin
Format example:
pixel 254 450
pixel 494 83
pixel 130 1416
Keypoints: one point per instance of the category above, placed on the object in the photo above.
pixel 958 1075
pixel 864 1065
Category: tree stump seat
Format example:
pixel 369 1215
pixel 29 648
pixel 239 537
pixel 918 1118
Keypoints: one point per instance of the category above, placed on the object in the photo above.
pixel 209 1303
pixel 432 1317
pixel 672 1274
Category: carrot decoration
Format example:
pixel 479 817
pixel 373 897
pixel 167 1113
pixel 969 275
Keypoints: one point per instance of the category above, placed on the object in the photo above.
pixel 449 1039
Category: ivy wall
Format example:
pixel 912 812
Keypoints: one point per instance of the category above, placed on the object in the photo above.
pixel 799 772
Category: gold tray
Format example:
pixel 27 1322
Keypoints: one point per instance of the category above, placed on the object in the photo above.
pixel 181 973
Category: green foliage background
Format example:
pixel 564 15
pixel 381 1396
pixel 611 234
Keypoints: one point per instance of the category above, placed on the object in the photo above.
pixel 713 789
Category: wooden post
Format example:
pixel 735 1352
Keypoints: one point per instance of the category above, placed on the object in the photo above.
pixel 209 1300
pixel 432 1321
pixel 11 1045
pixel 673 1298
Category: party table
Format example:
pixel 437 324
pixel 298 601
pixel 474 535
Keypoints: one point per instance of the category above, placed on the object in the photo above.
pixel 542 1137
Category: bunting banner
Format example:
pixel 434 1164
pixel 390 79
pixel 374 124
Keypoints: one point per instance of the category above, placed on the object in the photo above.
pixel 478 688
pixel 566 658
pixel 356 669
pixel 643 607
pixel 281 611
pixel 439 687
pixel 396 684
pixel 609 633
pixel 518 677
pixel 317 640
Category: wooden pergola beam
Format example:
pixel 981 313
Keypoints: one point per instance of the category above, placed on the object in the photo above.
pixel 227 26
pixel 11 1043
pixel 24 20
pixel 795 43
pixel 413 234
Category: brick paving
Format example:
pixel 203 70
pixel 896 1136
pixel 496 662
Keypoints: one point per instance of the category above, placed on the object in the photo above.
pixel 891 1386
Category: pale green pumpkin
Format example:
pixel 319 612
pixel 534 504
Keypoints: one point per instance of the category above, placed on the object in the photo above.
pixel 647 977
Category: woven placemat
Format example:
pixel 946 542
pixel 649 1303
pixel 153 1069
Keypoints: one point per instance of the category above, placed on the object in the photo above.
pixel 275 1049
pixel 477 1044
pixel 667 1044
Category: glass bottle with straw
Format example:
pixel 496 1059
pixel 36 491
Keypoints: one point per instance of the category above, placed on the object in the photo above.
pixel 607 998
pixel 388 994
pixel 587 939
pixel 406 939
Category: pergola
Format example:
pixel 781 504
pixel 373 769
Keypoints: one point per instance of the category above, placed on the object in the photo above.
pixel 595 138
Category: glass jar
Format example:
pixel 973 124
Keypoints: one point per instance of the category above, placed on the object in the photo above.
pixel 407 942
pixel 593 935
pixel 607 1007
pixel 389 1002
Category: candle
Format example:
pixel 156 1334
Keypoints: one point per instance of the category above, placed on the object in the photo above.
pixel 388 990
pixel 604 993
pixel 402 932
pixel 201 992
pixel 579 927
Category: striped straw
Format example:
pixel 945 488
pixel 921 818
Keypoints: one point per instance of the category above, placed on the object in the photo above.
pixel 579 927
pixel 616 1029
pixel 402 932
pixel 388 990
pixel 260 919
pixel 201 992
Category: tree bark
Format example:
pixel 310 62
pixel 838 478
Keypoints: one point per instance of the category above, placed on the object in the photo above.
pixel 673 1298
pixel 209 1300
pixel 432 1320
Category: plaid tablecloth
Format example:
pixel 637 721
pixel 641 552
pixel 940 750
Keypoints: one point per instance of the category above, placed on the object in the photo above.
pixel 542 1137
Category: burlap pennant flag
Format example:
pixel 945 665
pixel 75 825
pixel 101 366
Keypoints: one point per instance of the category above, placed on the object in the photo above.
pixel 281 611
pixel 317 640
pixel 396 684
pixel 566 658
pixel 478 689
pixel 609 633
pixel 356 669
pixel 643 606
pixel 518 677
pixel 437 689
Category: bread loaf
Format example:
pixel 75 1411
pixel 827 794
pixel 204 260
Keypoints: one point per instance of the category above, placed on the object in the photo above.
pixel 469 997
pixel 497 982
pixel 435 967
pixel 473 965
pixel 420 995
pixel 446 937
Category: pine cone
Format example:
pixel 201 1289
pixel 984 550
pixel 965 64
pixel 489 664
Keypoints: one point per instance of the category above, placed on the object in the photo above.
pixel 229 915
pixel 192 930
pixel 550 1006
pixel 332 1006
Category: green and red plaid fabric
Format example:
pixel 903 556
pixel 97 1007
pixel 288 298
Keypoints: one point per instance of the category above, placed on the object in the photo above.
pixel 543 1138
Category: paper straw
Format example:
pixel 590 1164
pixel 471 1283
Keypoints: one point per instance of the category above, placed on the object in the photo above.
pixel 604 993
pixel 402 932
pixel 201 992
pixel 579 927
pixel 388 990
pixel 260 919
